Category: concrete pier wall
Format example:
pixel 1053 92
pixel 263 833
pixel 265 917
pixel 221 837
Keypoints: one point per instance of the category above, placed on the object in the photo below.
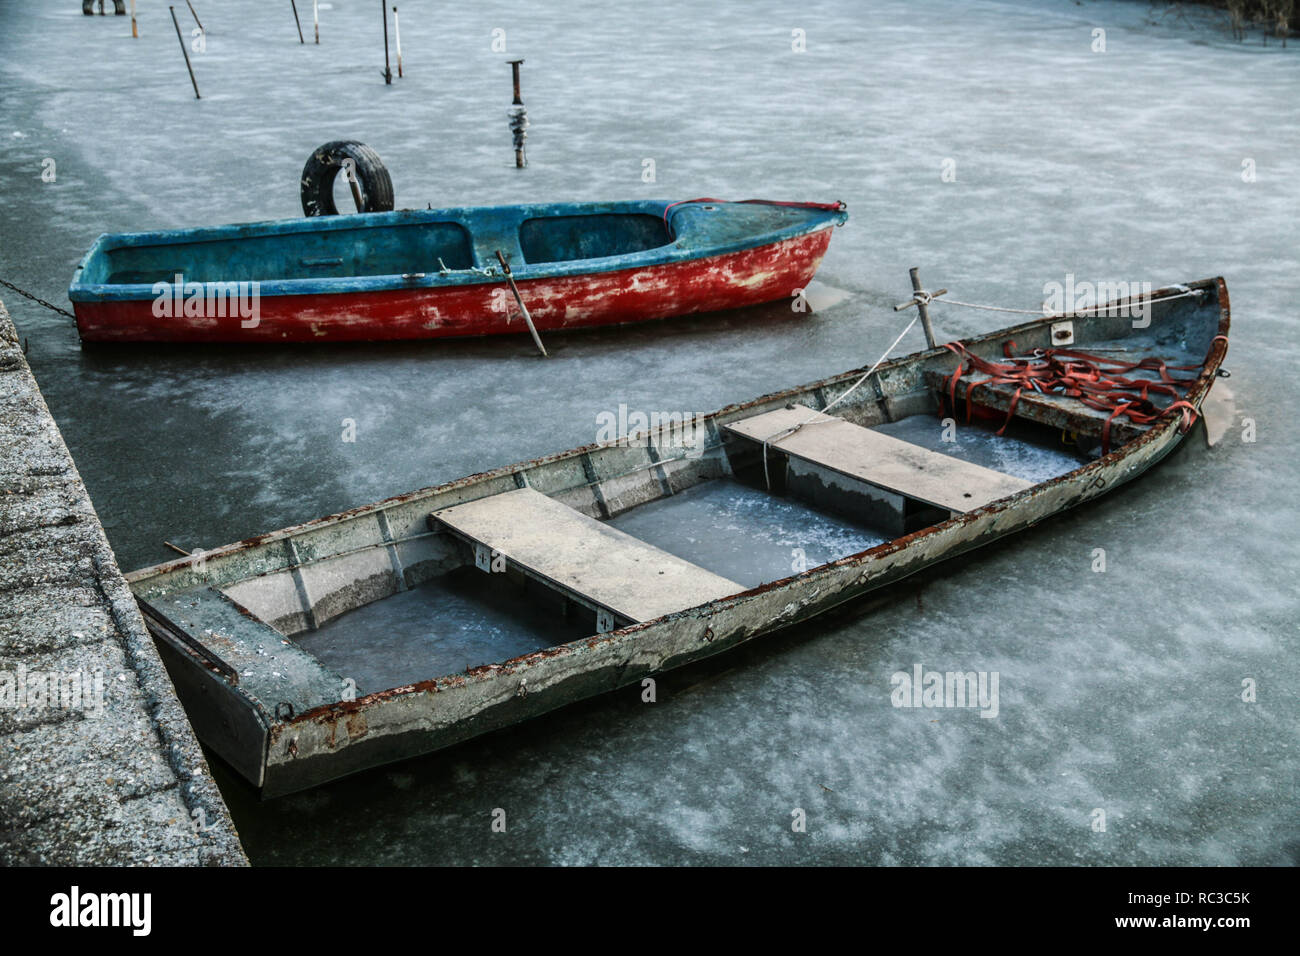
pixel 98 764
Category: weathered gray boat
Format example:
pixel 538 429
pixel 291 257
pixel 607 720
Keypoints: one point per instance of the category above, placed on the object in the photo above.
pixel 267 639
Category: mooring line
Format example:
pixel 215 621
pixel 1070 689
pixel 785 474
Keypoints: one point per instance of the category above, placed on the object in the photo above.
pixel 37 299
pixel 845 394
pixel 1091 310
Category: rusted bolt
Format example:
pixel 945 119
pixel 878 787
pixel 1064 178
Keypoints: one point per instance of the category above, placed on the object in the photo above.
pixel 708 635
pixel 293 747
pixel 522 690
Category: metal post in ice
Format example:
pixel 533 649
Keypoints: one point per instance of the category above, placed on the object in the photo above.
pixel 388 72
pixel 297 22
pixel 518 119
pixel 397 40
pixel 921 299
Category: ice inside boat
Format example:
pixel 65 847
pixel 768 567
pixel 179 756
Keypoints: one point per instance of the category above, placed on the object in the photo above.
pixel 463 618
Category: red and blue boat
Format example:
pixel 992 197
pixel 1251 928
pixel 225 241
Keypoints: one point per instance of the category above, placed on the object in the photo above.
pixel 416 274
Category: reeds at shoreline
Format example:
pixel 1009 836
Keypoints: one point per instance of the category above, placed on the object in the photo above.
pixel 1269 17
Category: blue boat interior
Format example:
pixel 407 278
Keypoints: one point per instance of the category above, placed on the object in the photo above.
pixel 565 238
pixel 442 245
pixel 384 250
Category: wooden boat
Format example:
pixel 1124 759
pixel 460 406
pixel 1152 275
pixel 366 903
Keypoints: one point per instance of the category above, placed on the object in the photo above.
pixel 274 644
pixel 435 273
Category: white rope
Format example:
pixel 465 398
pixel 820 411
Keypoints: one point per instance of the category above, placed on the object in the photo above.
pixel 849 391
pixel 1041 313
pixel 1093 310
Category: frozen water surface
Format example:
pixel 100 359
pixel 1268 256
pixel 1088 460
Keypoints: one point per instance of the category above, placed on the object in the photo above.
pixel 1119 690
pixel 1024 451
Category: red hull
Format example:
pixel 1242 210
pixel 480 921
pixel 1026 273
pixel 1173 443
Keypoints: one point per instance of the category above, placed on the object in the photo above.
pixel 749 277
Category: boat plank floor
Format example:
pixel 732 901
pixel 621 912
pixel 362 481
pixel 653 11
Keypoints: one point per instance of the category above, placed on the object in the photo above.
pixel 879 459
pixel 585 556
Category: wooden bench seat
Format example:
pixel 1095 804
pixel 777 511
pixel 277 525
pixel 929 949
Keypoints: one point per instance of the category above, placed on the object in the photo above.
pixel 588 561
pixel 880 460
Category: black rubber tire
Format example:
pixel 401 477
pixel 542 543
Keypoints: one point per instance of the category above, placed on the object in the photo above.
pixel 324 165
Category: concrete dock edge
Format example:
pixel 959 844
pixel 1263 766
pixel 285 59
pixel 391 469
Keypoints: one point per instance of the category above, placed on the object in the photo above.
pixel 98 763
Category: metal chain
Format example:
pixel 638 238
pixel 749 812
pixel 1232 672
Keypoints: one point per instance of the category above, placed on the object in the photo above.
pixel 37 299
